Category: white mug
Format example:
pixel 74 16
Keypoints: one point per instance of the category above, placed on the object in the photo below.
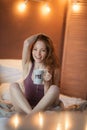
pixel 38 76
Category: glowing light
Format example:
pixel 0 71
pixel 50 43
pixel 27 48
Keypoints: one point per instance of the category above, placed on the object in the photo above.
pixel 68 122
pixel 86 127
pixel 75 7
pixel 58 127
pixel 15 121
pixel 46 9
pixel 21 7
pixel 40 120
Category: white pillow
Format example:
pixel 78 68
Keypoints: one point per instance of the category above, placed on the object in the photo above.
pixel 13 63
pixel 10 70
pixel 9 74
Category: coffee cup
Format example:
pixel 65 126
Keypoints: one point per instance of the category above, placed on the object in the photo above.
pixel 38 76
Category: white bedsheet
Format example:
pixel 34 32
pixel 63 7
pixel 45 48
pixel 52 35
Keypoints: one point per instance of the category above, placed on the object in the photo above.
pixel 3 123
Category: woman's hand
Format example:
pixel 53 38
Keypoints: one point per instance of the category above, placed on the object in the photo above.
pixel 47 76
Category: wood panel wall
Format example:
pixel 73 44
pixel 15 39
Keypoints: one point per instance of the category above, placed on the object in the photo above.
pixel 15 27
pixel 74 64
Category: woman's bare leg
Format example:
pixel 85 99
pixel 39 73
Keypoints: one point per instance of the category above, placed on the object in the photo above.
pixel 49 98
pixel 18 99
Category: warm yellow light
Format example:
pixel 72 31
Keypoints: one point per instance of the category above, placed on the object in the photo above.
pixel 15 121
pixel 85 126
pixel 59 127
pixel 45 9
pixel 40 120
pixel 21 7
pixel 68 122
pixel 75 7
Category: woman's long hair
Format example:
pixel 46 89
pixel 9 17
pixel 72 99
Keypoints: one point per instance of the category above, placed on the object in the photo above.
pixel 51 60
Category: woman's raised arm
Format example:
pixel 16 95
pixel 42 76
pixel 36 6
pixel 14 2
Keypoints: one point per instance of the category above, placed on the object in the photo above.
pixel 26 53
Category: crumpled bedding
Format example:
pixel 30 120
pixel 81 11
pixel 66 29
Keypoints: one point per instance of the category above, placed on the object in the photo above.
pixel 80 107
pixel 7 109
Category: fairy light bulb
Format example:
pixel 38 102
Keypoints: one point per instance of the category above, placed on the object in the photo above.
pixel 46 9
pixel 21 7
pixel 75 7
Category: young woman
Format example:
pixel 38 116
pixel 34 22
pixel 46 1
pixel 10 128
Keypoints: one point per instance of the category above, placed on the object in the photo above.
pixel 38 53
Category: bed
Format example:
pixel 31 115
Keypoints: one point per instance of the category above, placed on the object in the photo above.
pixel 11 71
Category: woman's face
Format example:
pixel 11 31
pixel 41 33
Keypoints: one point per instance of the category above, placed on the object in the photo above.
pixel 39 51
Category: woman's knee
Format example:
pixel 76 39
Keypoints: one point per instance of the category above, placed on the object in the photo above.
pixel 13 87
pixel 54 89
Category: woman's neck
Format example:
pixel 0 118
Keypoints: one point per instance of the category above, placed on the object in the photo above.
pixel 39 65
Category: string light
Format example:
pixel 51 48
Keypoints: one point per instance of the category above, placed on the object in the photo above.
pixel 45 9
pixel 75 6
pixel 22 6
